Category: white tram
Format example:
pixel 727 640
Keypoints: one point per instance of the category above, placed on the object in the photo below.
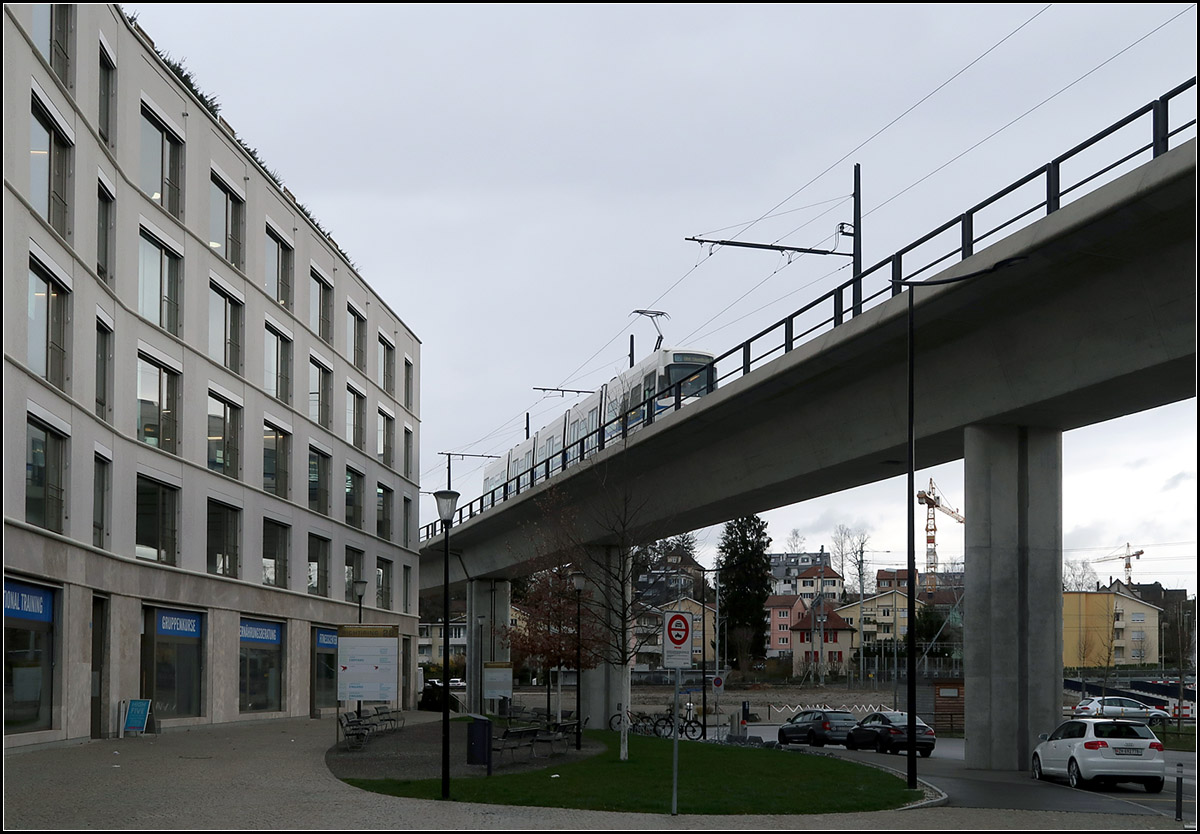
pixel 641 393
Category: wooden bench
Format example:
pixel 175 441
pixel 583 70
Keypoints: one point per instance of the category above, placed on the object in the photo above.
pixel 513 739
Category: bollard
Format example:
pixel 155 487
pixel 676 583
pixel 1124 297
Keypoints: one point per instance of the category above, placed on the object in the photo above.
pixel 1179 791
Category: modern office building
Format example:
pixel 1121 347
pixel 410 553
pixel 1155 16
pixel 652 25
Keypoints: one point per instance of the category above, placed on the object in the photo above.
pixel 217 416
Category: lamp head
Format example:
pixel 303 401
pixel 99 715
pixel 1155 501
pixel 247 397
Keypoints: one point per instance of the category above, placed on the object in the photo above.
pixel 447 500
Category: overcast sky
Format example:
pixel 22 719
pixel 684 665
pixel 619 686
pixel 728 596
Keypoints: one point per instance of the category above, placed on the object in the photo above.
pixel 515 180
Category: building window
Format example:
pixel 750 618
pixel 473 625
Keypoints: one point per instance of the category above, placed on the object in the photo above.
pixel 354 567
pixel 52 36
pixel 226 220
pixel 405 602
pixel 105 214
pixel 46 336
pixel 355 417
pixel 319 382
pixel 50 169
pixel 318 565
pixel 222 539
pixel 354 498
pixel 161 164
pixel 100 488
pixel 108 92
pixel 384 498
pixel 356 339
pixel 224 328
pixel 278 365
pixel 408 385
pixel 275 553
pixel 318 481
pixel 44 472
pixel 408 453
pixel 276 450
pixel 279 270
pixel 385 439
pixel 156 514
pixel 103 369
pixel 387 367
pixel 158 397
pixel 320 308
pixel 224 428
pixel 383 583
pixel 158 284
pixel 408 519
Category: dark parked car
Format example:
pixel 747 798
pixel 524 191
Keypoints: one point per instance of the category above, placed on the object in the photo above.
pixel 887 732
pixel 817 727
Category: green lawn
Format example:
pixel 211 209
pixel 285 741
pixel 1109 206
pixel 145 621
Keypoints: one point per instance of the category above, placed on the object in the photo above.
pixel 1172 739
pixel 713 779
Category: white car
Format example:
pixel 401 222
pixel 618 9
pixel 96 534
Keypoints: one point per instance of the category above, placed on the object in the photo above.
pixel 1102 749
pixel 1114 707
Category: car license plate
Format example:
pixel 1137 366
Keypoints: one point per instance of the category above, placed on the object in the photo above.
pixel 1128 751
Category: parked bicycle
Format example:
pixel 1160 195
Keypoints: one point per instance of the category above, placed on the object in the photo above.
pixel 638 722
pixel 689 726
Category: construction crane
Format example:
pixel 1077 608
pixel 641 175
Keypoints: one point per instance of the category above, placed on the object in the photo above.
pixel 931 499
pixel 1128 556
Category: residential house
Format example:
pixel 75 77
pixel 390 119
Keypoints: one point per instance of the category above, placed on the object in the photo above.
pixel 787 567
pixel 783 612
pixel 877 619
pixel 820 579
pixel 821 639
pixel 1109 628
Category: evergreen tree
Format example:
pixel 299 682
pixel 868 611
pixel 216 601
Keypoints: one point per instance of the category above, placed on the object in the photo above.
pixel 745 585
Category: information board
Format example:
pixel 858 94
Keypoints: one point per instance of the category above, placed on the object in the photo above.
pixel 497 680
pixel 368 663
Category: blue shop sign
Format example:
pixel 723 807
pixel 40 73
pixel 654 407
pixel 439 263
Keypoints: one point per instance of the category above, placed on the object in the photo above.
pixel 28 602
pixel 326 638
pixel 254 631
pixel 178 623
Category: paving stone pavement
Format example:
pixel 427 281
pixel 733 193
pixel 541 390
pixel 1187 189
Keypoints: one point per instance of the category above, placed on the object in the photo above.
pixel 276 775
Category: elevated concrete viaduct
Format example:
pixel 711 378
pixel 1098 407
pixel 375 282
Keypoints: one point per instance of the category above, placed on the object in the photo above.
pixel 1095 321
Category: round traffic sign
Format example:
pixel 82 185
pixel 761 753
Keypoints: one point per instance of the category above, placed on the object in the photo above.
pixel 679 629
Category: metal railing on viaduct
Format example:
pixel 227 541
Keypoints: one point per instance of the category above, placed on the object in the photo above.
pixel 1039 193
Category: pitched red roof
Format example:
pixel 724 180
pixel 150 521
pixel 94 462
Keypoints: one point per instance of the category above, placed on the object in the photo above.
pixel 833 622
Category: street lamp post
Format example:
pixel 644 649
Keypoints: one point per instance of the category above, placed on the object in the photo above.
pixel 360 590
pixel 481 619
pixel 578 578
pixel 446 499
pixel 912 487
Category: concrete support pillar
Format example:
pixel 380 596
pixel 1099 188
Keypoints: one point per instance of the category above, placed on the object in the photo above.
pixel 1012 623
pixel 602 686
pixel 488 612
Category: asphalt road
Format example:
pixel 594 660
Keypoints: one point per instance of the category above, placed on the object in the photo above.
pixel 991 789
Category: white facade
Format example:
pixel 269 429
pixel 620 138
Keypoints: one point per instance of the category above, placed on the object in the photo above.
pixel 159 341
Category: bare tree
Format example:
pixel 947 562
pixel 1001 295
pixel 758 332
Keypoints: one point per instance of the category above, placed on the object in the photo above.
pixel 795 541
pixel 848 548
pixel 1078 575
pixel 613 609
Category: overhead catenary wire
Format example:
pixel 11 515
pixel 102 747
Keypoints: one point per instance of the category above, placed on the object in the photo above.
pixel 575 374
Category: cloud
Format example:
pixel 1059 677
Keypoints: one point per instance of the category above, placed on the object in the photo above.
pixel 1177 479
